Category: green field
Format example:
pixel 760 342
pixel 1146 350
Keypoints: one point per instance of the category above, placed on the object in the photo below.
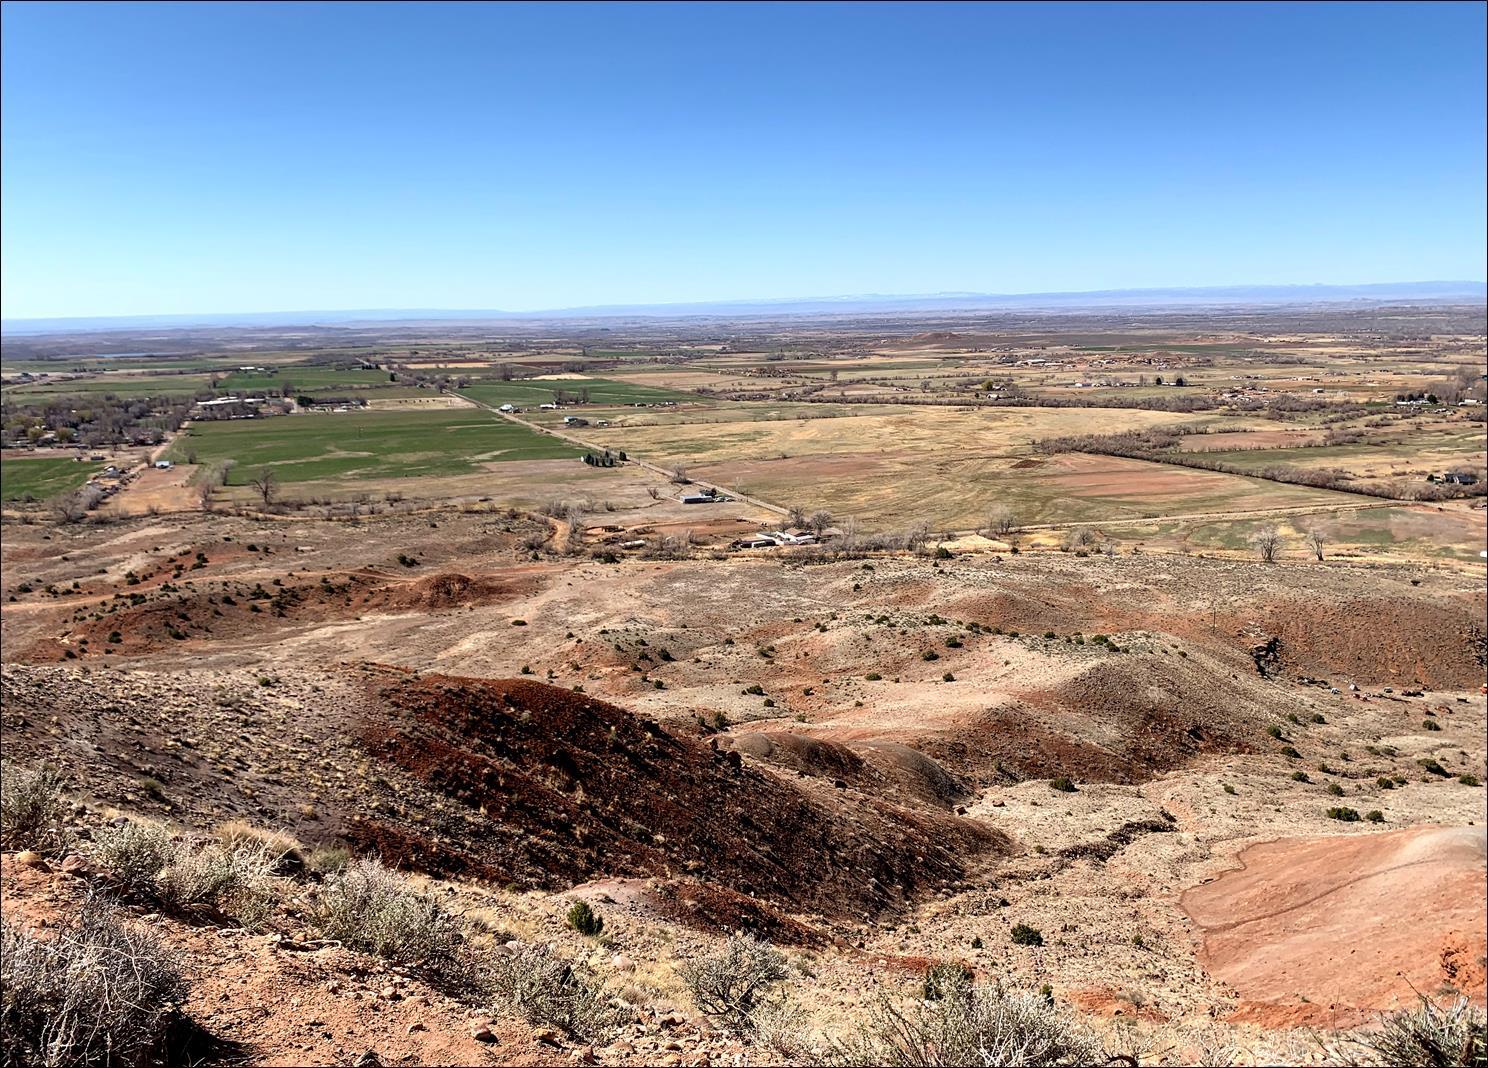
pixel 529 394
pixel 304 379
pixel 42 478
pixel 307 448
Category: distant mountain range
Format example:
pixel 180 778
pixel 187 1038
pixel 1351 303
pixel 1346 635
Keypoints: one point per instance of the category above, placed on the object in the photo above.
pixel 1383 292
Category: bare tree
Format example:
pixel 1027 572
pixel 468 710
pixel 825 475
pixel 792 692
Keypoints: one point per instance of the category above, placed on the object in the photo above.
pixel 654 493
pixel 1079 538
pixel 820 521
pixel 679 476
pixel 798 517
pixel 1315 542
pixel 1001 522
pixel 267 485
pixel 70 508
pixel 1267 542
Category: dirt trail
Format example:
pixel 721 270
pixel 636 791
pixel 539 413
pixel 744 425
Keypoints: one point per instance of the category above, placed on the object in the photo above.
pixel 664 472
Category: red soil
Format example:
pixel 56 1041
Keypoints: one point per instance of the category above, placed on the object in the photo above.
pixel 571 787
pixel 1328 931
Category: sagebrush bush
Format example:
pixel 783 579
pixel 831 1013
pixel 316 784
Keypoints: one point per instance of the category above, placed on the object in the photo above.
pixel 1443 1036
pixel 186 873
pixel 133 854
pixel 33 812
pixel 544 989
pixel 237 882
pixel 96 992
pixel 732 984
pixel 372 909
pixel 968 1025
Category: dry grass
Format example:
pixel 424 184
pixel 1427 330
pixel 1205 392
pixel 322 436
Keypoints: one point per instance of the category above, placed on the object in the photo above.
pixel 188 874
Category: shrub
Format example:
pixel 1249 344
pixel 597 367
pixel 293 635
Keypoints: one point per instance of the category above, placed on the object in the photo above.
pixel 1435 767
pixel 1430 725
pixel 945 980
pixel 95 993
pixel 1469 780
pixel 1335 790
pixel 1384 783
pixel 1063 784
pixel 1453 1035
pixel 1301 776
pixel 733 983
pixel 544 989
pixel 33 813
pixel 1024 935
pixel 929 654
pixel 583 918
pixel 373 909
pixel 979 1026
pixel 133 854
pixel 236 881
pixel 1347 815
pixel 1374 815
pixel 873 676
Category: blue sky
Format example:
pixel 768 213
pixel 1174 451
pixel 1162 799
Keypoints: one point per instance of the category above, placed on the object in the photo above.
pixel 221 158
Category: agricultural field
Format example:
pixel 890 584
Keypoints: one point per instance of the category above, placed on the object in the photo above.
pixel 366 446
pixel 529 393
pixel 302 379
pixel 41 478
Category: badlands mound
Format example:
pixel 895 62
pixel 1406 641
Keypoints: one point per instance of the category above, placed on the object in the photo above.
pixel 1328 930
pixel 569 787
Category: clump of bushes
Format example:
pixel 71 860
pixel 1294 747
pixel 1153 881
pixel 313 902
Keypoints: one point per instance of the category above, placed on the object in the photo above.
pixel 1063 783
pixel 33 812
pixel 736 982
pixel 1435 1034
pixel 969 1025
pixel 375 910
pixel 97 992
pixel 235 880
pixel 1347 815
pixel 944 979
pixel 544 989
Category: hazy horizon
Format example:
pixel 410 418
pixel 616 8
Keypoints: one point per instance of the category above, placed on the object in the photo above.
pixel 1150 297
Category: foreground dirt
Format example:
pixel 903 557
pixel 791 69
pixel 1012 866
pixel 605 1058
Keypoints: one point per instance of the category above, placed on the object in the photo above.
pixel 853 758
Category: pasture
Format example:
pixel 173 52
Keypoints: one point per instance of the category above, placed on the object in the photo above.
pixel 366 446
pixel 41 478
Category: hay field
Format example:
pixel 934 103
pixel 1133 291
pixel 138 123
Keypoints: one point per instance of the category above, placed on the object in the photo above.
pixel 897 467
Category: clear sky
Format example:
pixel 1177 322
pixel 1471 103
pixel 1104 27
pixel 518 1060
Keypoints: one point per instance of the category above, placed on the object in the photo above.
pixel 223 158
